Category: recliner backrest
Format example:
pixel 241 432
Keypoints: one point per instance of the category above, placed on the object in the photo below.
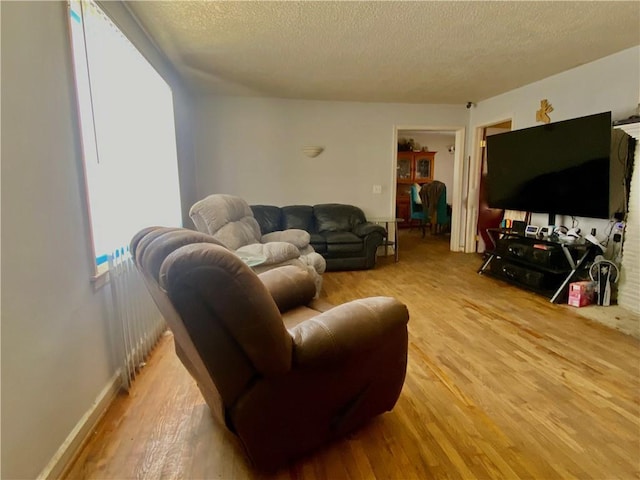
pixel 185 349
pixel 226 326
pixel 227 218
pixel 212 288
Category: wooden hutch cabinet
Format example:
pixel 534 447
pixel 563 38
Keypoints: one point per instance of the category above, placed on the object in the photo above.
pixel 413 167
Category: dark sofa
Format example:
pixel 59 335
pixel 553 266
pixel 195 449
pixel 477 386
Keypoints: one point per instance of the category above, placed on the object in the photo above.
pixel 339 232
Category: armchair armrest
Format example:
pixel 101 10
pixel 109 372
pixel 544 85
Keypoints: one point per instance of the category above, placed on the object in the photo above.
pixel 364 229
pixel 290 286
pixel 298 237
pixel 274 252
pixel 346 330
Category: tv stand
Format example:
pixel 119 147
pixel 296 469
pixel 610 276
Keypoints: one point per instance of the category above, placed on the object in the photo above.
pixel 543 265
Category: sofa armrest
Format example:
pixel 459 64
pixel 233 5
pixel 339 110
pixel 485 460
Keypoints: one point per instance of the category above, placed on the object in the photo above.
pixel 297 237
pixel 346 330
pixel 290 286
pixel 273 252
pixel 366 228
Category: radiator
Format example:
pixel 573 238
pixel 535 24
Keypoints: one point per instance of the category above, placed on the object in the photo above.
pixel 137 321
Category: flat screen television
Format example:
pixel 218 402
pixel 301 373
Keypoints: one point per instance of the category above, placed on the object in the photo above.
pixel 558 168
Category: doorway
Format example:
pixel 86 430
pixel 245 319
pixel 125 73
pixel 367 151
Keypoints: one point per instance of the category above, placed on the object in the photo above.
pixel 448 143
pixel 480 215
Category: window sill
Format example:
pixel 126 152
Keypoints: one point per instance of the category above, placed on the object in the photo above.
pixel 101 278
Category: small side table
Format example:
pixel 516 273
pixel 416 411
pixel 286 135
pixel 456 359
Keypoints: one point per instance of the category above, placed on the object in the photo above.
pixel 387 242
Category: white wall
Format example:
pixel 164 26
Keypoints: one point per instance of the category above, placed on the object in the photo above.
pixel 56 350
pixel 609 84
pixel 252 147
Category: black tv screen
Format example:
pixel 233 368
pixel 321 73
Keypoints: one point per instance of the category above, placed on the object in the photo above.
pixel 557 168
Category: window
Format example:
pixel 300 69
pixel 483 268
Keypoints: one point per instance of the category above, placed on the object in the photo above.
pixel 128 133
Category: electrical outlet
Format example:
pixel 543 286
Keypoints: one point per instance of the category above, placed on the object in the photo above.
pixel 377 189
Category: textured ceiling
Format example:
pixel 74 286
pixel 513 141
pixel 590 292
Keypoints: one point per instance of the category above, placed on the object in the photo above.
pixel 408 52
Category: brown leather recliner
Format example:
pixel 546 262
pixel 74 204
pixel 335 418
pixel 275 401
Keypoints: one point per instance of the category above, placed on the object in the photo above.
pixel 284 372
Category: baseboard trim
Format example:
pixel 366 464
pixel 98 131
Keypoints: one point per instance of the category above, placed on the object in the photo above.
pixel 80 434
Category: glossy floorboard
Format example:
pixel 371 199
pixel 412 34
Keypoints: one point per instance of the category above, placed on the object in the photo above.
pixel 500 384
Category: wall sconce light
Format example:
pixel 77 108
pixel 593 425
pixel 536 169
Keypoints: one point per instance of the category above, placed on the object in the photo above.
pixel 311 151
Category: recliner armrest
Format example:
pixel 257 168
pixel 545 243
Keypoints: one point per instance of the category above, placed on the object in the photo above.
pixel 346 330
pixel 364 229
pixel 274 252
pixel 297 237
pixel 290 286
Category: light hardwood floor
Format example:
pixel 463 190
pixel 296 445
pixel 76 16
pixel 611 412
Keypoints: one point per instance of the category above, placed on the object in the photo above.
pixel 500 384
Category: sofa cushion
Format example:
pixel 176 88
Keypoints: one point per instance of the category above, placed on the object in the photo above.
pixel 335 217
pixel 298 216
pixel 342 242
pixel 318 243
pixel 341 237
pixel 269 218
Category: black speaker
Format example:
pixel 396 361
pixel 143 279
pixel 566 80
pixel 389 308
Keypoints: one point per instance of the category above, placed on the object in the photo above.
pixel 548 257
pixel 518 226
pixel 519 274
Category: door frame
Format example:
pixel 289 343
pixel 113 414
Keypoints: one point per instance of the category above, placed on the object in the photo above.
pixel 473 191
pixel 458 172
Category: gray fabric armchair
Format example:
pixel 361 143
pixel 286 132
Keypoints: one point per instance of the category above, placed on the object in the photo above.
pixel 229 220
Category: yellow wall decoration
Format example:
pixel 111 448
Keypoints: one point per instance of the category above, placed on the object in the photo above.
pixel 546 108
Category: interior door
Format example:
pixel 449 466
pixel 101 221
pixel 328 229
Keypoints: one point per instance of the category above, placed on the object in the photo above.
pixel 487 217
